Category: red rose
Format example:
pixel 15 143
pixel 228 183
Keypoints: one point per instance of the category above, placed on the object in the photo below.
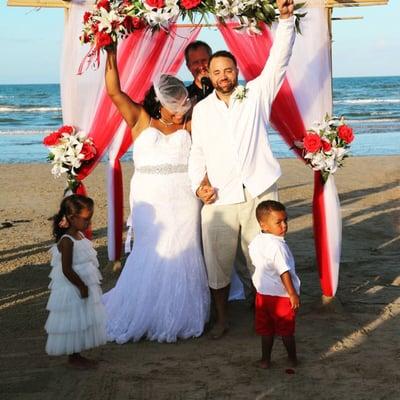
pixel 66 129
pixel 103 3
pixel 189 4
pixel 346 133
pixel 52 139
pixel 312 142
pixel 137 23
pixel 84 38
pixel 156 3
pixel 127 23
pixel 88 151
pixel 326 146
pixel 86 16
pixel 95 28
pixel 103 39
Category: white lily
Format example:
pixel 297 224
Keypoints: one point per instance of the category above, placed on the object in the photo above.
pixel 106 18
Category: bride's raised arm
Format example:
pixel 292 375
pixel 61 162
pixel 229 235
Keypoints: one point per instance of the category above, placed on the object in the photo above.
pixel 127 107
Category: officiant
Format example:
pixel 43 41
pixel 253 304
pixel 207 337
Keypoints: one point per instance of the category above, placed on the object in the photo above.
pixel 197 54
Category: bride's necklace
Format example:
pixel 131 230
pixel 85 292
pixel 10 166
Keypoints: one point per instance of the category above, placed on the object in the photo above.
pixel 166 123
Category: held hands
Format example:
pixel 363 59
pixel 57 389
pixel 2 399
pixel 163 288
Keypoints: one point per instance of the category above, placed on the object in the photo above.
pixel 84 291
pixel 286 8
pixel 205 192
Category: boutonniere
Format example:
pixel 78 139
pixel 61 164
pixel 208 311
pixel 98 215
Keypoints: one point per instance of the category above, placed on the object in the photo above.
pixel 240 92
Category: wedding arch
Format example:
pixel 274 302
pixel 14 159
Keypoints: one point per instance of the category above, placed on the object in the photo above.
pixel 305 97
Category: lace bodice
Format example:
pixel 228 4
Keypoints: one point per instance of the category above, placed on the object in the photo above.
pixel 155 151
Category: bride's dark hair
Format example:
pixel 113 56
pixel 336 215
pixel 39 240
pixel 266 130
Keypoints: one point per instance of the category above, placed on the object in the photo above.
pixel 151 104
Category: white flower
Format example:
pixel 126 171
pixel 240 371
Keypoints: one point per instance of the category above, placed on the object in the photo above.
pixel 229 8
pixel 106 18
pixel 161 16
pixel 66 156
pixel 58 169
pixel 240 92
pixel 326 161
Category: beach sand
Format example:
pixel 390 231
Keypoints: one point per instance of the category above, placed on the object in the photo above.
pixel 349 352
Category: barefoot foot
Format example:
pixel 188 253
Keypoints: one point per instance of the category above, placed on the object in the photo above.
pixel 264 364
pixel 218 331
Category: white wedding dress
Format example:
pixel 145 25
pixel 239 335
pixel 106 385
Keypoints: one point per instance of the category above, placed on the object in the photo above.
pixel 162 293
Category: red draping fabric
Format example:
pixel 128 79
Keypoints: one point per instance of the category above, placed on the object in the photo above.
pixel 321 236
pixel 251 53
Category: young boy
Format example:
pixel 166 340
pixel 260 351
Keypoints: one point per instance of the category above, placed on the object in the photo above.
pixel 276 282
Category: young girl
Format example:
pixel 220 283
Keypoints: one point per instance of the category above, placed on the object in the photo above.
pixel 77 318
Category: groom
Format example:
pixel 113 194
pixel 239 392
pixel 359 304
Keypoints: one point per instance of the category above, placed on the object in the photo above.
pixel 231 165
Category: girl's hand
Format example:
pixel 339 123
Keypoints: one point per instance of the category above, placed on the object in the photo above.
pixel 84 291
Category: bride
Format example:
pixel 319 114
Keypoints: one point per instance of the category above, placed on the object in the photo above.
pixel 162 293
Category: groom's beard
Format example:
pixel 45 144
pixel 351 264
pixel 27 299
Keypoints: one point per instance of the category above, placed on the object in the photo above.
pixel 226 86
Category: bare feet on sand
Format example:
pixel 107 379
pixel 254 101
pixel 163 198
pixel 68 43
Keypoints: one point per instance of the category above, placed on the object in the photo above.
pixel 218 331
pixel 264 364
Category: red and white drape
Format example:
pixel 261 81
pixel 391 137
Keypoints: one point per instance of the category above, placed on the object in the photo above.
pixel 305 97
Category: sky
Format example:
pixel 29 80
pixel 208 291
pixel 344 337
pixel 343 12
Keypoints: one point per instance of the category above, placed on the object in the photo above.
pixel 31 40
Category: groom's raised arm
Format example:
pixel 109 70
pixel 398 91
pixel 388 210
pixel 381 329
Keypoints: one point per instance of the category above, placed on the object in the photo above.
pixel 273 73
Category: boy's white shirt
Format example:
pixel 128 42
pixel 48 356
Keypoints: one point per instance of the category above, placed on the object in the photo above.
pixel 272 257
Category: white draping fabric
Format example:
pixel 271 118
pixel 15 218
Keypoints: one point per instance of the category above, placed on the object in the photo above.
pixel 310 76
pixel 80 94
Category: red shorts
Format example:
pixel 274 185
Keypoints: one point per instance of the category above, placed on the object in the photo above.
pixel 274 316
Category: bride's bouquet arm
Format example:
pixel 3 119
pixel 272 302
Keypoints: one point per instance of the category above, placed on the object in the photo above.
pixel 130 110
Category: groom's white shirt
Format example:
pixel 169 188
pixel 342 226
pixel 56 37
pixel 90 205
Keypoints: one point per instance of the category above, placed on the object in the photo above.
pixel 231 143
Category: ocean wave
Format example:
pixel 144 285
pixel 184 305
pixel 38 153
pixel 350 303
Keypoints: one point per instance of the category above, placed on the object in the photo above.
pixel 9 120
pixel 373 120
pixel 28 109
pixel 25 132
pixel 368 101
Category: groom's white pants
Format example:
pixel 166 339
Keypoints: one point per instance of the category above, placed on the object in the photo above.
pixel 226 226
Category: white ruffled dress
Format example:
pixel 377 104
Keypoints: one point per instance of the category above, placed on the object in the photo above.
pixel 75 324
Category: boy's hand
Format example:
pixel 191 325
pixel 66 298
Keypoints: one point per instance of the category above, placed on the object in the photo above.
pixel 294 301
pixel 84 291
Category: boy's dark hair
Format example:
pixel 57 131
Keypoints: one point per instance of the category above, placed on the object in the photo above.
pixel 197 44
pixel 70 205
pixel 223 53
pixel 265 207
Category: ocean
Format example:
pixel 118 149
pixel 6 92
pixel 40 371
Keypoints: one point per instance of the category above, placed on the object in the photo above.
pixel 371 105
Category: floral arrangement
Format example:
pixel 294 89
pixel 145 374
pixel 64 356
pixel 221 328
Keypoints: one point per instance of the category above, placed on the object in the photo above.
pixel 111 20
pixel 240 92
pixel 326 145
pixel 69 150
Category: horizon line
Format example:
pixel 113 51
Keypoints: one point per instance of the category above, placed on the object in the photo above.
pixel 334 77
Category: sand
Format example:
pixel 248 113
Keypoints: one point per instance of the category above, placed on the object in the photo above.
pixel 350 351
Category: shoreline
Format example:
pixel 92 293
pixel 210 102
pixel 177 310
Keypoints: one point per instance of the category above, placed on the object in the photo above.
pixel 335 348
